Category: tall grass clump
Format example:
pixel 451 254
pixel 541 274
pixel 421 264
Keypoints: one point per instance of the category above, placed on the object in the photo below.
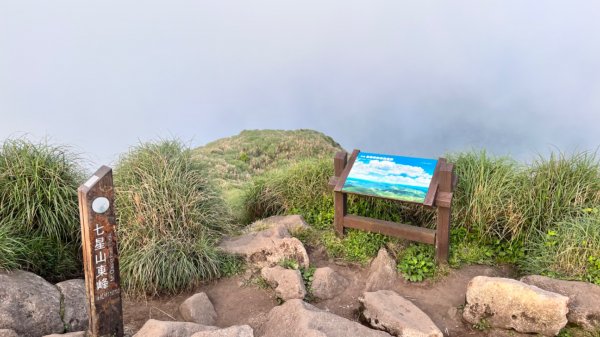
pixel 170 217
pixel 559 187
pixel 568 249
pixel 39 217
pixel 487 199
pixel 299 188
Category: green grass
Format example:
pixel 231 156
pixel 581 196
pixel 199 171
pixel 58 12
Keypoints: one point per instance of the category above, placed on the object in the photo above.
pixel 171 217
pixel 559 187
pixel 39 218
pixel 570 249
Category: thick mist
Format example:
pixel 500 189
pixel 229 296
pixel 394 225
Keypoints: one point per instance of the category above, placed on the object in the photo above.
pixel 416 78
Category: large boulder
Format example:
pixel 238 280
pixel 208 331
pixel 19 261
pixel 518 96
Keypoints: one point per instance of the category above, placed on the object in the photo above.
pixel 386 310
pixel 296 318
pixel 155 328
pixel 288 283
pixel 75 313
pixel 584 299
pixel 29 305
pixel 511 304
pixel 382 273
pixel 267 247
pixel 327 283
pixel 198 309
pixel 233 331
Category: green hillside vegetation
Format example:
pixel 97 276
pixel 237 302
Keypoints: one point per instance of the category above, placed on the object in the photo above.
pixel 234 160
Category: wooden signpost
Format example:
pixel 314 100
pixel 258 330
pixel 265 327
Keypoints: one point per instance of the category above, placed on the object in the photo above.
pixel 100 254
pixel 439 195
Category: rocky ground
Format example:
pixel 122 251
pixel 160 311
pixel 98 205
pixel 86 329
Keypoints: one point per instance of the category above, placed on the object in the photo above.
pixel 343 300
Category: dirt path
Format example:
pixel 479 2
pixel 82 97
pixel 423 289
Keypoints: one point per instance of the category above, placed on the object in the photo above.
pixel 237 302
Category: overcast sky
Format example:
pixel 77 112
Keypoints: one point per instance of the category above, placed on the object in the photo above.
pixel 403 77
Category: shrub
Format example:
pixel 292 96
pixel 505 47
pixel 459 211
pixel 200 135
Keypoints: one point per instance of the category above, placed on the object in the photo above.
pixel 170 219
pixel 417 262
pixel 39 226
pixel 569 250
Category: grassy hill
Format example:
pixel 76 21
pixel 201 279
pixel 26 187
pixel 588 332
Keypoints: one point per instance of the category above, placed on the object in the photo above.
pixel 234 160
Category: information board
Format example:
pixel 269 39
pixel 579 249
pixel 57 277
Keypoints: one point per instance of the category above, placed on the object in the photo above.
pixel 390 177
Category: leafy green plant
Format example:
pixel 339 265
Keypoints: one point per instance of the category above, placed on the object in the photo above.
pixel 38 195
pixel 171 218
pixel 308 275
pixel 417 263
pixel 232 265
pixel 289 264
pixel 593 270
pixel 482 325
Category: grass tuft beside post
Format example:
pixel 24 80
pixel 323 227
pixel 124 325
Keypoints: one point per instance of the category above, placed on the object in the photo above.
pixel 39 217
pixel 170 218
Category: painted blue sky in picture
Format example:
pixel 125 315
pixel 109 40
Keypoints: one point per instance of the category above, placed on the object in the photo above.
pixel 391 177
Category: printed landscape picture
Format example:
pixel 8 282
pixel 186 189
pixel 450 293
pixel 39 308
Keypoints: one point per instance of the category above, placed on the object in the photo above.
pixel 392 177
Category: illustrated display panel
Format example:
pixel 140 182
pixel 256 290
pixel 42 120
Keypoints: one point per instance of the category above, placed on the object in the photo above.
pixel 391 177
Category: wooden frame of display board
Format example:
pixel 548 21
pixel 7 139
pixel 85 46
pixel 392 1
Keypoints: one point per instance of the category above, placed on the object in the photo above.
pixel 439 195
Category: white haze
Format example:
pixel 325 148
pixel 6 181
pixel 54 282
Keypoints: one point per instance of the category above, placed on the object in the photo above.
pixel 404 77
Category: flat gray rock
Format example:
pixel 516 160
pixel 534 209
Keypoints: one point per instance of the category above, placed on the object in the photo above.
pixel 75 314
pixel 296 318
pixel 267 247
pixel 382 273
pixel 386 310
pixel 29 305
pixel 511 304
pixel 327 283
pixel 288 283
pixel 198 309
pixel 155 328
pixel 584 299
pixel 233 331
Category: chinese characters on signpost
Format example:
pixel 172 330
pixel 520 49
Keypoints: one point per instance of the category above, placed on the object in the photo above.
pixel 100 254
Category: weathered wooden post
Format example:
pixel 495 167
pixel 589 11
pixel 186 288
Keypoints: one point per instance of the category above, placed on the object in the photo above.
pixel 443 202
pixel 340 200
pixel 100 254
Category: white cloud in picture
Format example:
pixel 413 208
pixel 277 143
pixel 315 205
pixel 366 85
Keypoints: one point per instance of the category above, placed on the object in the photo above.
pixel 391 173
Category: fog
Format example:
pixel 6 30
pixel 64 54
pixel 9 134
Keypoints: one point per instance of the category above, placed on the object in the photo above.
pixel 417 78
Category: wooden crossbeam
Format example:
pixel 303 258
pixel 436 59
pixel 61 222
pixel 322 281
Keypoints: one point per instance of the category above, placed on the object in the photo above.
pixel 413 233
